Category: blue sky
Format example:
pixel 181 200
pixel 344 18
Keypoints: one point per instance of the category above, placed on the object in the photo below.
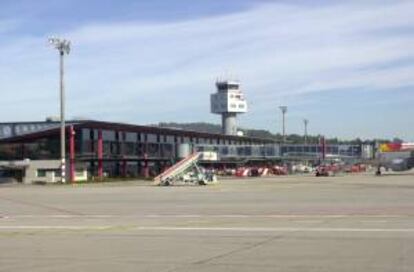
pixel 347 66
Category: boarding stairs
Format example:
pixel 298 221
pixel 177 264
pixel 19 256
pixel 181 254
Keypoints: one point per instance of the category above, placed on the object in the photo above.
pixel 186 171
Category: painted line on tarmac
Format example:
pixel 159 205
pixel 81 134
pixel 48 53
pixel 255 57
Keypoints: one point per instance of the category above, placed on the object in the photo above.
pixel 374 221
pixel 253 229
pixel 61 216
pixel 277 216
pixel 211 229
pixel 56 227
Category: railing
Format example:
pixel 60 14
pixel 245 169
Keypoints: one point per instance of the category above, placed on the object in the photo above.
pixel 177 168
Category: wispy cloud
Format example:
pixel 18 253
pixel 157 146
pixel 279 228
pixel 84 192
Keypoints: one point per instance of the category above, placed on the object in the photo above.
pixel 148 72
pixel 8 25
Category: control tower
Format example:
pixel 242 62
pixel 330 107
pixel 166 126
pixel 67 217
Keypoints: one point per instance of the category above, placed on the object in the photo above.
pixel 228 101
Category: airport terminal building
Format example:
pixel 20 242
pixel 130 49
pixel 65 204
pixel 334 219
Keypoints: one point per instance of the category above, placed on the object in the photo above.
pixel 30 151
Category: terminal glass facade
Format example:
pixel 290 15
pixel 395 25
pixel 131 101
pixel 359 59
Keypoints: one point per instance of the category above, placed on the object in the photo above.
pixel 125 150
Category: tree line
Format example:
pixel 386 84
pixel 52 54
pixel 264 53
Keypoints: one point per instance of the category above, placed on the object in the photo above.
pixel 262 133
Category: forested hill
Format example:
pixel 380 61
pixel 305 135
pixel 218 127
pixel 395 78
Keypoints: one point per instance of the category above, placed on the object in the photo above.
pixel 200 127
pixel 259 133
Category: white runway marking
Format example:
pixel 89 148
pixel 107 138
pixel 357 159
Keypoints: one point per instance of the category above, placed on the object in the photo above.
pixel 56 227
pixel 374 221
pixel 210 229
pixel 60 216
pixel 255 229
pixel 161 216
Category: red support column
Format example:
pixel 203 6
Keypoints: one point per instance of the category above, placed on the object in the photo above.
pixel 100 155
pixel 72 154
pixel 165 166
pixel 124 168
pixel 323 147
pixel 146 167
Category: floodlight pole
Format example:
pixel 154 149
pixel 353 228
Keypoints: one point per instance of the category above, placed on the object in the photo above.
pixel 284 110
pixel 63 46
pixel 62 118
pixel 306 122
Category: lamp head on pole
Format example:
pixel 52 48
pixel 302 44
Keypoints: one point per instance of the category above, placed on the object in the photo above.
pixel 283 109
pixel 62 45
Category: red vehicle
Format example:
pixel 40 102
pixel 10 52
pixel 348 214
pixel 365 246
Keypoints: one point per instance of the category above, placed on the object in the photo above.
pixel 279 170
pixel 326 170
pixel 322 171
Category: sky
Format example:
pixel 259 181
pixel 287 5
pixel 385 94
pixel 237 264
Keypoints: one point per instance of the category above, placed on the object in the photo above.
pixel 346 66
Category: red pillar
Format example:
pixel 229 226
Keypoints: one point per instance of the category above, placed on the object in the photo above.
pixel 100 154
pixel 72 154
pixel 124 168
pixel 165 166
pixel 146 167
pixel 323 147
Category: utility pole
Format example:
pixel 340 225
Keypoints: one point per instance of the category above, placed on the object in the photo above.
pixel 63 46
pixel 284 110
pixel 306 122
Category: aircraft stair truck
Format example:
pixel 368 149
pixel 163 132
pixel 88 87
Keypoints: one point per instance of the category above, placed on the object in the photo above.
pixel 186 171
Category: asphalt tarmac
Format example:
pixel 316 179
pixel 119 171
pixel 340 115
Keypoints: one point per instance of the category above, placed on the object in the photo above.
pixel 296 223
